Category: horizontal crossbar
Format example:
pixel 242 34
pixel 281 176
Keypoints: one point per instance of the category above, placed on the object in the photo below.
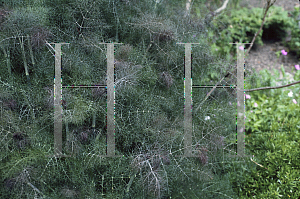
pixel 233 86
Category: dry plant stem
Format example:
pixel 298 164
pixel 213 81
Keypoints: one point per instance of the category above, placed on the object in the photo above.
pixel 258 164
pixel 188 7
pixel 222 8
pixel 130 182
pixel 269 4
pixel 35 188
pixel 208 95
pixel 49 45
pixel 275 87
pixel 94 122
pixel 7 56
pixel 30 50
pixel 24 60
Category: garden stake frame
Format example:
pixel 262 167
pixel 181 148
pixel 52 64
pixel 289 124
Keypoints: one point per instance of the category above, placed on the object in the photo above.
pixel 188 101
pixel 111 99
pixel 110 102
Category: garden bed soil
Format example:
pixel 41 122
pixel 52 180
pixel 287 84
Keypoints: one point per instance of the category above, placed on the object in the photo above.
pixel 264 57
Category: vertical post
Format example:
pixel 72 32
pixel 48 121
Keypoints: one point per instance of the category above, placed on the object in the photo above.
pixel 188 102
pixel 188 7
pixel 110 139
pixel 110 102
pixel 57 102
pixel 188 122
pixel 240 101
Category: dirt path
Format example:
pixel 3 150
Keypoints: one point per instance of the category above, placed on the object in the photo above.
pixel 264 57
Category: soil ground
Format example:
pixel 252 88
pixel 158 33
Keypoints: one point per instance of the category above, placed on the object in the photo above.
pixel 264 57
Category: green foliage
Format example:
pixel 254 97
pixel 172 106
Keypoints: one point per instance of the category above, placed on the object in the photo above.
pixel 22 20
pixel 272 130
pixel 294 43
pixel 241 26
pixel 148 76
pixel 279 175
pixel 148 108
pixel 265 100
pixel 21 3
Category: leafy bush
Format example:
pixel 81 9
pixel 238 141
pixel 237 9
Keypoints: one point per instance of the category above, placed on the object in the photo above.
pixel 276 101
pixel 149 83
pixel 294 42
pixel 272 128
pixel 149 74
pixel 241 26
